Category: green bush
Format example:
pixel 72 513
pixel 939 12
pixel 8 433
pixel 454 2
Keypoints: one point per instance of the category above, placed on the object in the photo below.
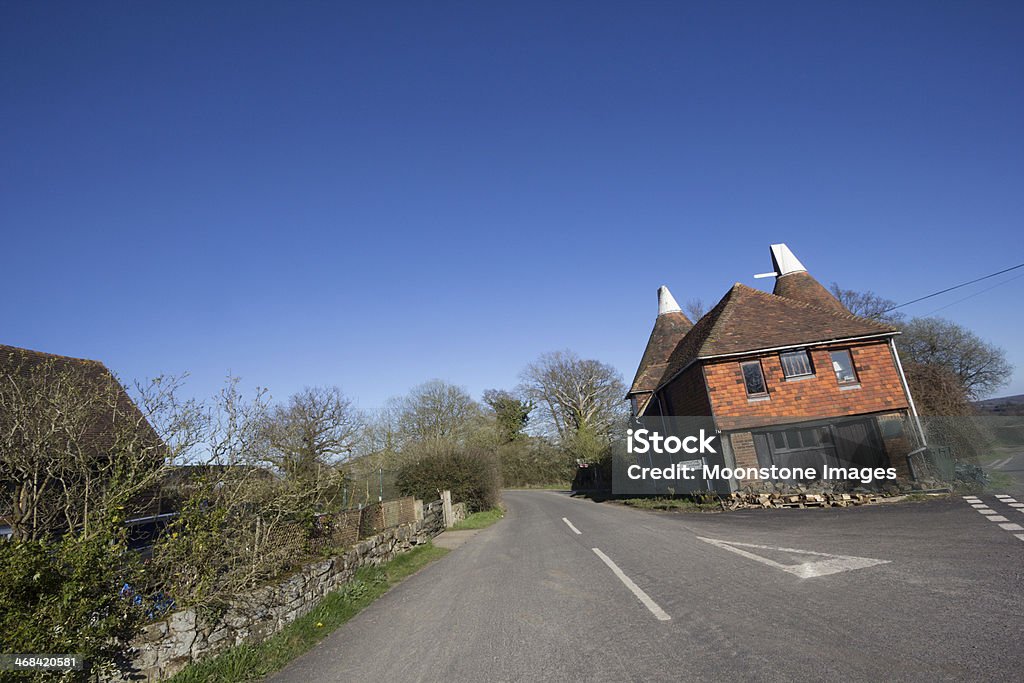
pixel 535 462
pixel 66 597
pixel 471 475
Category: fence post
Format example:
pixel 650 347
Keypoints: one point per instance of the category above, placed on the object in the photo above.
pixel 446 506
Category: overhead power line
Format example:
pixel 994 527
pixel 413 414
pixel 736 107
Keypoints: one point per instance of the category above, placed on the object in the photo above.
pixel 950 289
pixel 979 292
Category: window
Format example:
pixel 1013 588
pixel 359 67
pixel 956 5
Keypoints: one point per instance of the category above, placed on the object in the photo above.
pixel 801 438
pixel 753 378
pixel 796 364
pixel 842 363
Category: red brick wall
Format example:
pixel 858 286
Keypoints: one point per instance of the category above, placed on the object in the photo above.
pixel 811 397
pixel 743 449
pixel 686 395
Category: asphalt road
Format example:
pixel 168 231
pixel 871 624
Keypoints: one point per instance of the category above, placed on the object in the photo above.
pixel 921 591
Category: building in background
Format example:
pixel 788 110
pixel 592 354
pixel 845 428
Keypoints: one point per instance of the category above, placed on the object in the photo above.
pixel 790 378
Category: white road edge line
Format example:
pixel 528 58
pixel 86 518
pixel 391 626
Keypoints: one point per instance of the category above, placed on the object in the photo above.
pixel 658 613
pixel 575 530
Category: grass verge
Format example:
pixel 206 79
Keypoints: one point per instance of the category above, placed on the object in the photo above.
pixel 252 662
pixel 1000 481
pixel 677 504
pixel 561 486
pixel 479 520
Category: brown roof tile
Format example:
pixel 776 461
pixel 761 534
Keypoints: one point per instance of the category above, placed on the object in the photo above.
pixel 748 320
pixel 94 378
pixel 669 329
pixel 800 286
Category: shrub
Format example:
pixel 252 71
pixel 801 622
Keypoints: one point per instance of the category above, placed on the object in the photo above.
pixel 238 529
pixel 535 462
pixel 470 474
pixel 71 597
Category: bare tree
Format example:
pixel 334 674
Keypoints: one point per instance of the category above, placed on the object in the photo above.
pixel 241 522
pixel 234 434
pixel 574 395
pixel 867 304
pixel 78 453
pixel 979 367
pixel 436 410
pixel 695 308
pixel 317 427
pixel 936 389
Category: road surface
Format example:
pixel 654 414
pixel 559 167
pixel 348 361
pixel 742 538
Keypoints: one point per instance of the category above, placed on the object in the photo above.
pixel 566 589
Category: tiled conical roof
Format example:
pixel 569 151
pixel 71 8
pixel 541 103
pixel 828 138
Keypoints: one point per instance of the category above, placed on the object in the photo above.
pixel 794 282
pixel 669 328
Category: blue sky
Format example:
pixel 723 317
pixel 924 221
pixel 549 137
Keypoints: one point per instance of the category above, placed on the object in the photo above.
pixel 376 194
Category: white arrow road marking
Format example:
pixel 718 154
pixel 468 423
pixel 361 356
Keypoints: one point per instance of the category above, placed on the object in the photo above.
pixel 833 564
pixel 575 530
pixel 658 613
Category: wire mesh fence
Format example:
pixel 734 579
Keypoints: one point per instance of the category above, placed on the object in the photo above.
pixel 348 527
pixel 365 488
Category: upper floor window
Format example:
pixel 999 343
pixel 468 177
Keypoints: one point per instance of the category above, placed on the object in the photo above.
pixel 753 378
pixel 842 363
pixel 796 364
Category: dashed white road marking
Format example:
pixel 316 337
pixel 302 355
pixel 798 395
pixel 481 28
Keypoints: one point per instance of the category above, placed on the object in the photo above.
pixel 994 516
pixel 574 529
pixel 832 564
pixel 658 613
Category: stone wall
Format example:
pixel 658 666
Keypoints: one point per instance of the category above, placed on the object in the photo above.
pixel 167 646
pixel 458 512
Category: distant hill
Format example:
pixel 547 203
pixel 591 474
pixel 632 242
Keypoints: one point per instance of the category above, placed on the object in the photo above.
pixel 1004 405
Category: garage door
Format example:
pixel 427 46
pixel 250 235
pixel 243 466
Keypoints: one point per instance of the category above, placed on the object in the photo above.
pixel 849 443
